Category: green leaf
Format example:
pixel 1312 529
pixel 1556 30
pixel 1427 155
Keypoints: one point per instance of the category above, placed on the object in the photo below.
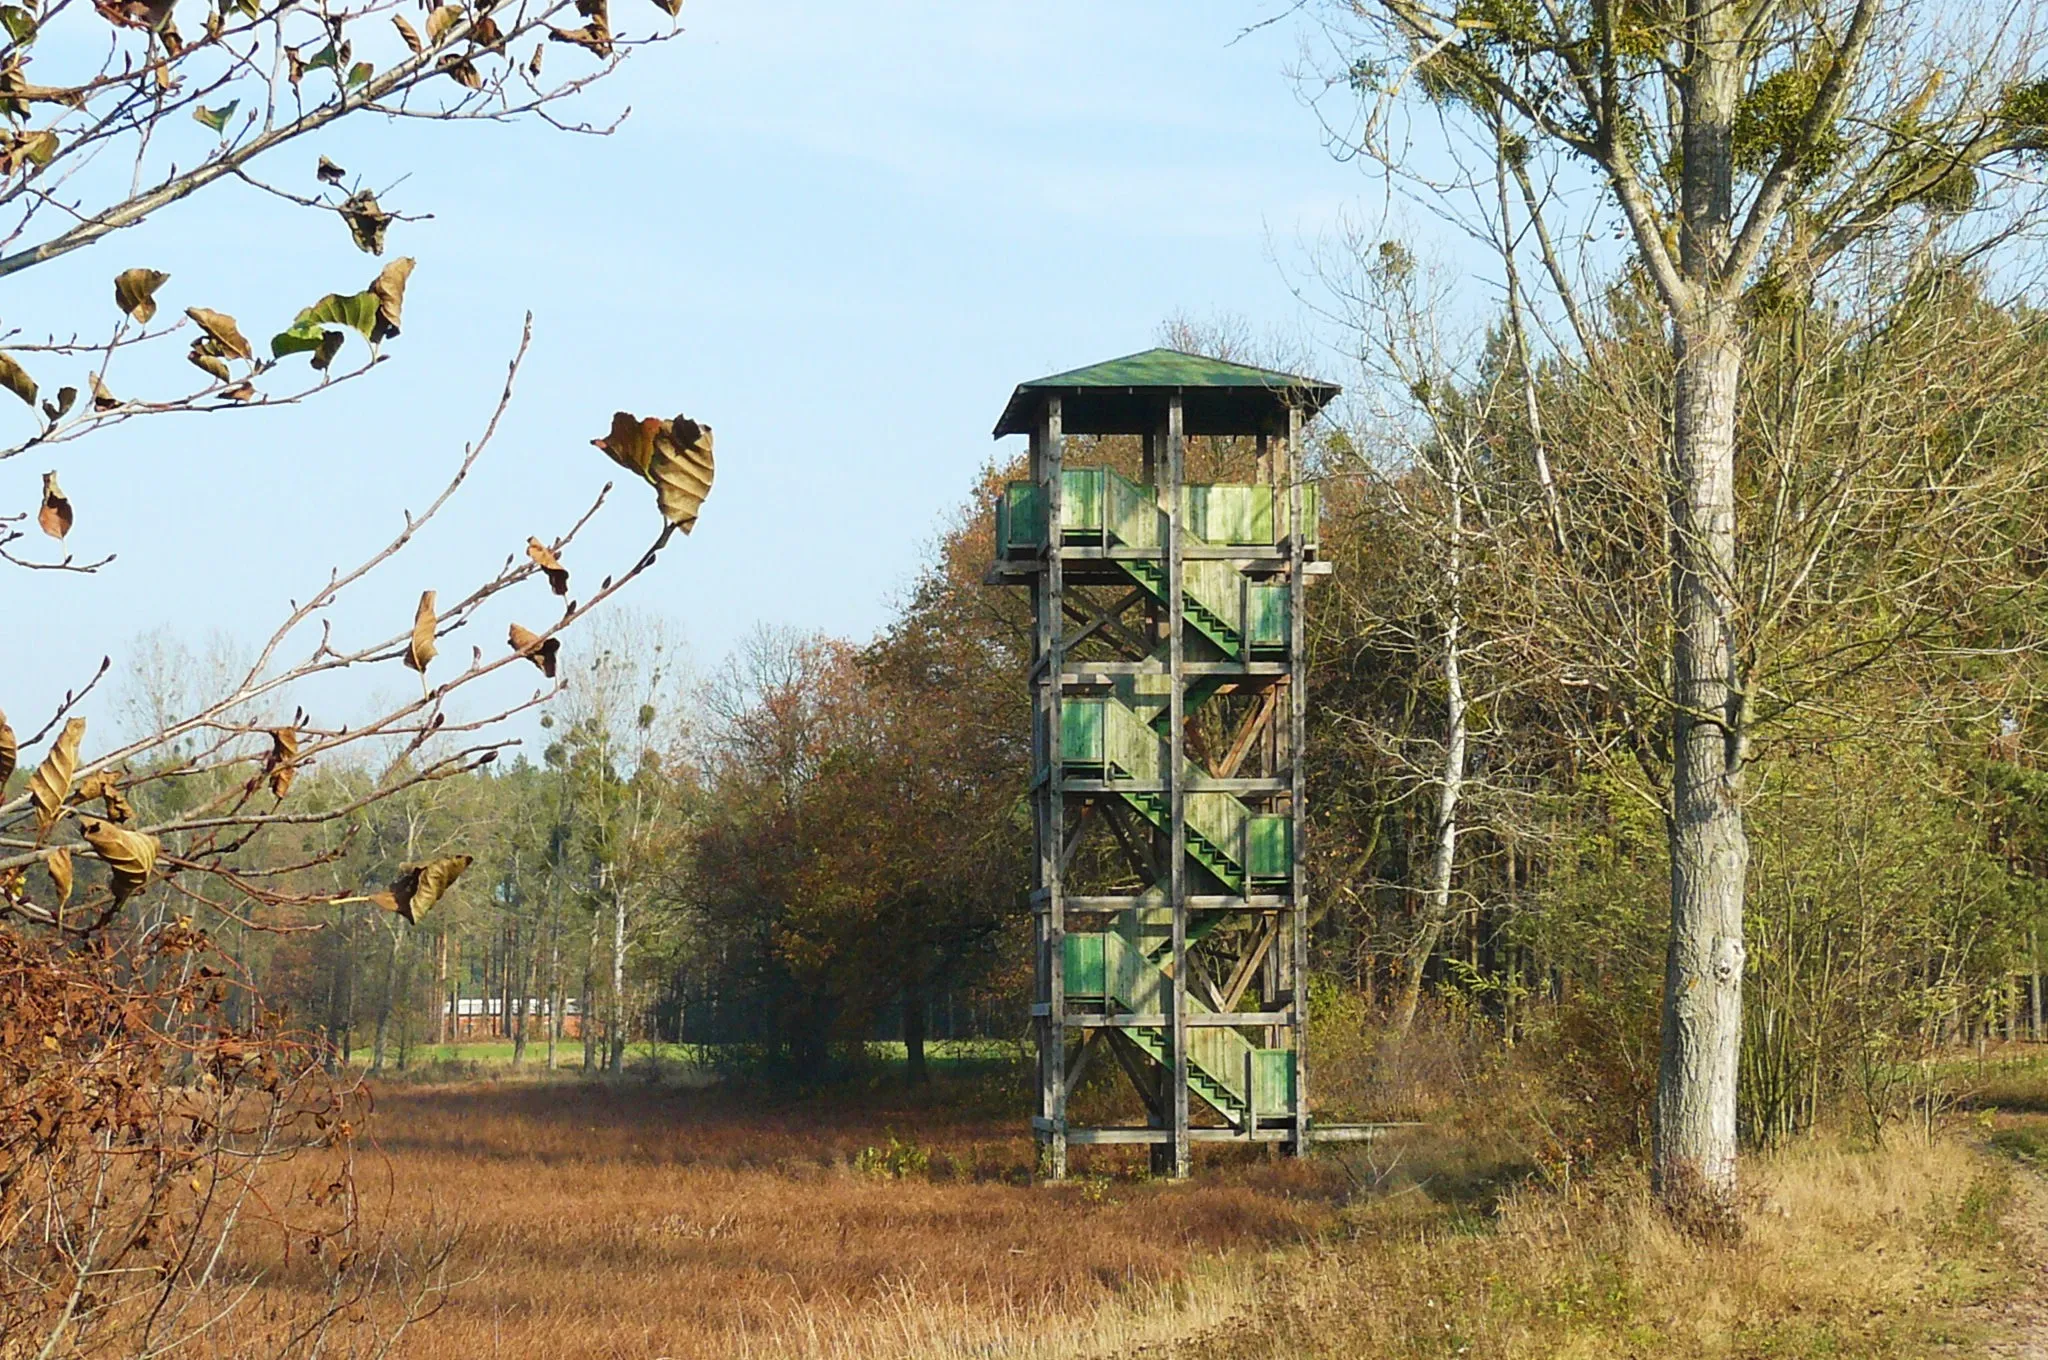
pixel 360 73
pixel 308 333
pixel 19 23
pixel 326 56
pixel 217 119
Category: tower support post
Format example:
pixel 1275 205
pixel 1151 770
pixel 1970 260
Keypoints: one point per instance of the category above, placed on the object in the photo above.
pixel 1048 458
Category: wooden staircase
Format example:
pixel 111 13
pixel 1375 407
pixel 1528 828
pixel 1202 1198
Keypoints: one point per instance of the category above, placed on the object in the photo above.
pixel 1236 1078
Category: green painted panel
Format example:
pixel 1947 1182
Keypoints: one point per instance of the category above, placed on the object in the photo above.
pixel 1226 513
pixel 1022 526
pixel 1132 511
pixel 1266 614
pixel 1086 975
pixel 1273 1078
pixel 1081 500
pixel 1269 846
pixel 1081 731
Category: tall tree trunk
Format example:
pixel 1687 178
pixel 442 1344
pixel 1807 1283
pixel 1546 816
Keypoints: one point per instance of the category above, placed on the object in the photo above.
pixel 384 1003
pixel 913 1036
pixel 442 1020
pixel 554 977
pixel 2034 986
pixel 532 957
pixel 1694 1161
pixel 586 1020
pixel 617 1060
pixel 1451 781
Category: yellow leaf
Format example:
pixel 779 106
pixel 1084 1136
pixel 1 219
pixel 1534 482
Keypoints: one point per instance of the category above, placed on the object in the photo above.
pixel 50 785
pixel 130 856
pixel 421 649
pixel 59 865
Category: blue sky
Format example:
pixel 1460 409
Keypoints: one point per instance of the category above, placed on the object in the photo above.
pixel 839 234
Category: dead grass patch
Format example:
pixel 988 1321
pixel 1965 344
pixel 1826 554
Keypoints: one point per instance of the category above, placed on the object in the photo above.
pixel 629 1221
pixel 1845 1253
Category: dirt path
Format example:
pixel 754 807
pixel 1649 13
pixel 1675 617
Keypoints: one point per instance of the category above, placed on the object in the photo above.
pixel 2025 1318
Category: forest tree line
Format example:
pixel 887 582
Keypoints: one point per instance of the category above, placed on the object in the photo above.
pixel 821 842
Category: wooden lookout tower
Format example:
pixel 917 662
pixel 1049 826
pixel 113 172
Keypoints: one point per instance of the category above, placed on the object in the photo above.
pixel 1168 721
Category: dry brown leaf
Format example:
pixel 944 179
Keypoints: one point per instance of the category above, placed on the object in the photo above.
pixel 440 21
pixel 241 391
pixel 681 471
pixel 419 886
pixel 631 442
pixel 135 292
pixel 102 399
pixel 530 645
pixel 327 172
pixel 203 358
pixel 670 7
pixel 390 290
pixel 595 35
pixel 544 558
pixel 407 32
pixel 488 37
pixel 673 455
pixel 421 649
pixel 58 862
pixel 533 66
pixel 129 855
pixel 367 221
pixel 10 752
pixel 280 765
pixel 106 786
pixel 15 379
pixel 463 72
pixel 221 328
pixel 50 785
pixel 55 517
pixel 135 13
pixel 66 397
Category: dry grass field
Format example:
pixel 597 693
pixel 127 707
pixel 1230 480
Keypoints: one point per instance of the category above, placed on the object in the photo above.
pixel 638 1221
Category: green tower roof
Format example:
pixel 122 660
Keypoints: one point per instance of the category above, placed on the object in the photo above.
pixel 1128 396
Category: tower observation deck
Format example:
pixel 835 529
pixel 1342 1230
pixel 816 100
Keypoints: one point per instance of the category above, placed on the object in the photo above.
pixel 1167 676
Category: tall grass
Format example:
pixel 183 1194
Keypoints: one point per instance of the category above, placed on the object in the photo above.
pixel 632 1220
